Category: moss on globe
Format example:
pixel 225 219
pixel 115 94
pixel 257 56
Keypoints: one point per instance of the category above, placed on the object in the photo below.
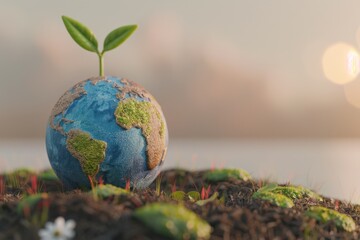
pixel 144 115
pixel 90 152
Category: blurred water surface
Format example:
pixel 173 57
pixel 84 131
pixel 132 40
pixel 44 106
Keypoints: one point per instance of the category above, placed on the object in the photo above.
pixel 328 166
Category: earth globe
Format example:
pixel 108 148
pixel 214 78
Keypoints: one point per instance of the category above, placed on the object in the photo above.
pixel 105 129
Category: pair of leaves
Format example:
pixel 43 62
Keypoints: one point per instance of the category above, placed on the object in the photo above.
pixel 87 40
pixel 181 196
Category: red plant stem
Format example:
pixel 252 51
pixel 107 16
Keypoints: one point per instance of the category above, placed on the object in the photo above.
pixel 91 182
pixel 127 186
pixel 173 187
pixel 202 193
pixel 208 191
pixel 2 185
pixel 33 183
pixel 101 180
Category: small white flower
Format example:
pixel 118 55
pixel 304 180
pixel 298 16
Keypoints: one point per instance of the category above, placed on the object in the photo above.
pixel 59 230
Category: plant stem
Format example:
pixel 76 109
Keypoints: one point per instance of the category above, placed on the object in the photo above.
pixel 101 64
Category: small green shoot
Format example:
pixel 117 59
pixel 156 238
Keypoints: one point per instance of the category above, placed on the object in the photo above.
pixel 158 185
pixel 210 199
pixel 173 221
pixel 325 215
pixel 194 196
pixel 86 39
pixel 219 175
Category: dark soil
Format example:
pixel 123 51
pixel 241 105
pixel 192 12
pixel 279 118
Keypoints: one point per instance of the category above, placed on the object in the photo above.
pixel 238 217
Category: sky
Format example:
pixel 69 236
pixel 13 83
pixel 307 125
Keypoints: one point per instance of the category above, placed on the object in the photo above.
pixel 219 69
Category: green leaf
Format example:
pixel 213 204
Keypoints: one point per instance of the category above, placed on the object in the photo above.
pixel 81 34
pixel 173 221
pixel 178 195
pixel 194 196
pixel 211 199
pixel 108 190
pixel 118 36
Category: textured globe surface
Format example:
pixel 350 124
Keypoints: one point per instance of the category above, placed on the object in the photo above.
pixel 106 129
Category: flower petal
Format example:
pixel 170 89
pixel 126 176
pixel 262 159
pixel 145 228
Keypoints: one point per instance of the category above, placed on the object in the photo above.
pixel 44 234
pixel 70 224
pixel 60 223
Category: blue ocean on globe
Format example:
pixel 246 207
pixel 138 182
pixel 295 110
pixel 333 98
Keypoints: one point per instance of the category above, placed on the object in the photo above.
pixel 89 109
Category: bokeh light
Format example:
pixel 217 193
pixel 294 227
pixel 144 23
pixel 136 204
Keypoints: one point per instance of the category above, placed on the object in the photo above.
pixel 340 63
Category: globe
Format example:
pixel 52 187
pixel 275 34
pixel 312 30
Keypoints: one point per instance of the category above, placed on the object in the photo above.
pixel 106 129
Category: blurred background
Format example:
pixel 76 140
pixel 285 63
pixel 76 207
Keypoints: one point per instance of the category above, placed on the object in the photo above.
pixel 271 87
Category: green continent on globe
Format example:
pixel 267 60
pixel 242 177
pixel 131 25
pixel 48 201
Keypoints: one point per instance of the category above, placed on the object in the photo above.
pixel 89 151
pixel 144 115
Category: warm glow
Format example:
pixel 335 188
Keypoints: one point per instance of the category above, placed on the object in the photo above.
pixel 341 63
pixel 352 93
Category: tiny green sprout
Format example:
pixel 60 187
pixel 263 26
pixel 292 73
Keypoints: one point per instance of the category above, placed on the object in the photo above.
pixel 218 175
pixel 194 196
pixel 86 39
pixel 210 199
pixel 274 198
pixel 173 221
pixel 325 215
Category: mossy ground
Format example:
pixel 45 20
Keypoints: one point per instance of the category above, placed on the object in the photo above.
pixel 232 214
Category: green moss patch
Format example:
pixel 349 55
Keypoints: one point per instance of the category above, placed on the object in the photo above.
pixel 325 215
pixel 178 195
pixel 131 113
pixel 218 175
pixel 107 190
pixel 90 152
pixel 274 198
pixel 173 221
pixel 295 192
